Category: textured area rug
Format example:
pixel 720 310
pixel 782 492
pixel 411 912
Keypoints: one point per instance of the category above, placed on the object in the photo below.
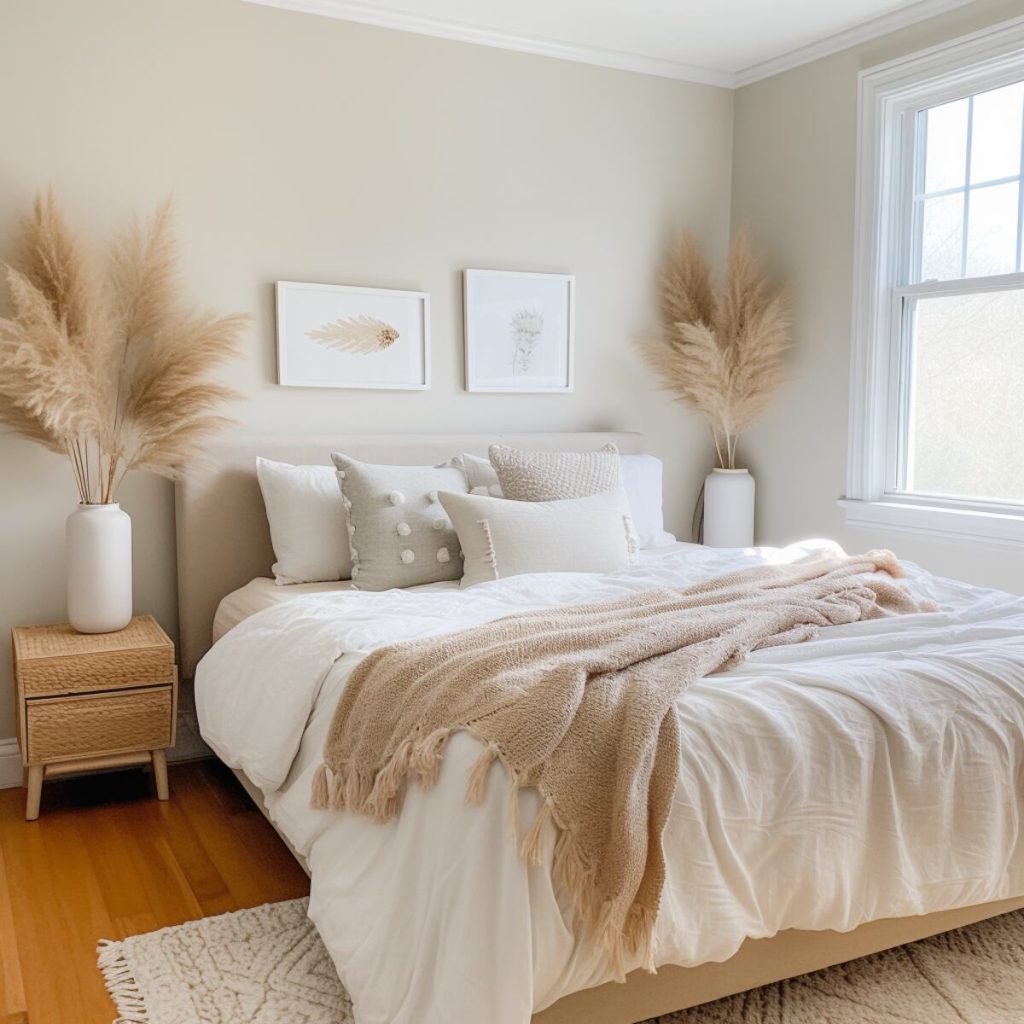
pixel 267 966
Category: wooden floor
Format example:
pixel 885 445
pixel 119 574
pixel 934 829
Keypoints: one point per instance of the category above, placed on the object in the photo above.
pixel 107 860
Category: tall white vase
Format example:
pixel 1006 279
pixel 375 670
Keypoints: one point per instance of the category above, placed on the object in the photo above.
pixel 99 568
pixel 729 509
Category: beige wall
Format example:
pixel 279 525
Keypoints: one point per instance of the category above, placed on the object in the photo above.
pixel 314 150
pixel 793 184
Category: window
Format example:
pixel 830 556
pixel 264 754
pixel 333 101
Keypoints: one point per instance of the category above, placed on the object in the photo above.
pixel 937 410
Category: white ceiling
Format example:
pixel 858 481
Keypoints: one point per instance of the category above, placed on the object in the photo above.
pixel 722 42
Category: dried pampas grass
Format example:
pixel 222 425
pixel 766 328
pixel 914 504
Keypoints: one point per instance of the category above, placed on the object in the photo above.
pixel 720 353
pixel 114 373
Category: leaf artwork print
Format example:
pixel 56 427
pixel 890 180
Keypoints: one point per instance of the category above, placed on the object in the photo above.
pixel 359 335
pixel 527 326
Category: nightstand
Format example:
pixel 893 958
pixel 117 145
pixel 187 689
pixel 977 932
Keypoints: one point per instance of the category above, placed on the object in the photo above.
pixel 92 701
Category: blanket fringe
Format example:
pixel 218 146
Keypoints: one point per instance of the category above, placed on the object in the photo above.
pixel 121 983
pixel 337 790
pixel 512 811
pixel 476 785
pixel 573 872
pixel 626 937
pixel 426 757
pixel 532 848
pixel 386 798
pixel 358 786
pixel 321 799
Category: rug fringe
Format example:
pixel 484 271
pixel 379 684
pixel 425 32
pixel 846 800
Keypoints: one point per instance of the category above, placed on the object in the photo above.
pixel 121 983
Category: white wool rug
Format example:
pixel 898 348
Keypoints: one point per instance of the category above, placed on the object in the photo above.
pixel 268 966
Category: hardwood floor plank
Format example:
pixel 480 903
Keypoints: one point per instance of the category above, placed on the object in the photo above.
pixel 107 860
pixel 206 882
pixel 12 992
pixel 243 846
pixel 41 909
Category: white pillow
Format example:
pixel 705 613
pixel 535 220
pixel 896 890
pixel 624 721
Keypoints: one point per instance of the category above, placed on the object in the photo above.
pixel 641 477
pixel 502 538
pixel 308 525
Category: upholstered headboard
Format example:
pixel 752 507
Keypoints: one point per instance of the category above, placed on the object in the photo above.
pixel 223 537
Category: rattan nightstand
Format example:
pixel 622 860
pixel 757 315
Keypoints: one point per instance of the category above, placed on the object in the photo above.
pixel 85 702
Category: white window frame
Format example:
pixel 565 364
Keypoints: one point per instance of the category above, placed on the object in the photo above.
pixel 889 97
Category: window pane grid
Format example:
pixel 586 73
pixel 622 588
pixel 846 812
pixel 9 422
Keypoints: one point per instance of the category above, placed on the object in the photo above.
pixel 945 246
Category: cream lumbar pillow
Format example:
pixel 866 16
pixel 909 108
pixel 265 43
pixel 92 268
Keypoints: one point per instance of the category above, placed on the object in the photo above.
pixel 555 476
pixel 502 538
pixel 308 525
pixel 399 533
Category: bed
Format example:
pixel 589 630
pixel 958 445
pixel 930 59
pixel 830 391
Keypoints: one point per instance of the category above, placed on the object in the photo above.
pixel 836 798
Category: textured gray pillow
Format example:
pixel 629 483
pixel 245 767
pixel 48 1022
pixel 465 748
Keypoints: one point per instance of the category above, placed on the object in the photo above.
pixel 555 476
pixel 399 532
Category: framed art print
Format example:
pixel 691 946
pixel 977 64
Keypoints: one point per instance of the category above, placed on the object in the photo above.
pixel 334 336
pixel 519 331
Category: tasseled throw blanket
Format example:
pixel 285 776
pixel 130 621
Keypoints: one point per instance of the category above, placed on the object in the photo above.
pixel 578 701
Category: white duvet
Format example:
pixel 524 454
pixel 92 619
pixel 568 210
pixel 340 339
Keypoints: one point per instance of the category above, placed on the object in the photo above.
pixel 873 772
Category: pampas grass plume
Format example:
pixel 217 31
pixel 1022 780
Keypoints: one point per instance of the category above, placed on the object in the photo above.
pixel 719 353
pixel 109 369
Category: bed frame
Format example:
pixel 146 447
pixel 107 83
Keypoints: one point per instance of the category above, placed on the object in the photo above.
pixel 223 542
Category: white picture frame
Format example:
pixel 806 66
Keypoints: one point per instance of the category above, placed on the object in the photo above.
pixel 519 331
pixel 338 336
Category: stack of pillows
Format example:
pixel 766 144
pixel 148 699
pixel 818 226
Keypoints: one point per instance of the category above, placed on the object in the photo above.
pixel 469 519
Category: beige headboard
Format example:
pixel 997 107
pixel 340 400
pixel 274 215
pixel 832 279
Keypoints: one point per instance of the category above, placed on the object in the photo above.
pixel 223 538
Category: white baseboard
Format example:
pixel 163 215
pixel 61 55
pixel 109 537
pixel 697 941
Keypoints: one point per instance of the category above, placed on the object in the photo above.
pixel 10 764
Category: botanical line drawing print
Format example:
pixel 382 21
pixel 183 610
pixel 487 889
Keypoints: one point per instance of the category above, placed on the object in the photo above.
pixel 360 335
pixel 527 326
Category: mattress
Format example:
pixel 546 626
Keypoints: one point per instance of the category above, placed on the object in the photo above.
pixel 262 593
pixel 875 771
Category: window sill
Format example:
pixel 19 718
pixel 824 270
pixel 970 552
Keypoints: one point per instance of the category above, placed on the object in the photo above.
pixel 964 524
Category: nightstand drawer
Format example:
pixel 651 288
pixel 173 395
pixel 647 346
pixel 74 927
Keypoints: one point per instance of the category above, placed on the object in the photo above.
pixel 54 660
pixel 85 726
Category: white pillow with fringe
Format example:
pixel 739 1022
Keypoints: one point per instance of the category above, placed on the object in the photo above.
pixel 502 538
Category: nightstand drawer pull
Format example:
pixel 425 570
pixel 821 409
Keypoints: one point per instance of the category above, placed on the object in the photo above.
pixel 102 724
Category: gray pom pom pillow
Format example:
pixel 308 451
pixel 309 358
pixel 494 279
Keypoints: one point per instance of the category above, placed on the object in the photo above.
pixel 399 532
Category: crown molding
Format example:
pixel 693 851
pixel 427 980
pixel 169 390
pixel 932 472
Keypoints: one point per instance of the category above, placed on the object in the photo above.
pixel 863 33
pixel 366 14
pixel 370 14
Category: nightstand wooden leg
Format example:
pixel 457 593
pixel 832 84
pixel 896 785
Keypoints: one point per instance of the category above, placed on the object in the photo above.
pixel 35 791
pixel 160 774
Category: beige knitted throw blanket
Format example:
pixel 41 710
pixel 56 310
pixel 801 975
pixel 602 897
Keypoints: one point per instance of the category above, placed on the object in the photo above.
pixel 578 701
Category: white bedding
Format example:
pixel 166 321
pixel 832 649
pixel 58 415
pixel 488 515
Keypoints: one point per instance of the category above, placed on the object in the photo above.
pixel 263 592
pixel 873 772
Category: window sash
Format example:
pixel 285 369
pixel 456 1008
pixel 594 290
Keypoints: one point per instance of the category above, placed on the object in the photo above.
pixel 889 98
pixel 914 159
pixel 901 377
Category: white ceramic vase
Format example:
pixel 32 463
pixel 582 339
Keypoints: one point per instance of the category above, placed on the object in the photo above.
pixel 729 509
pixel 99 568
